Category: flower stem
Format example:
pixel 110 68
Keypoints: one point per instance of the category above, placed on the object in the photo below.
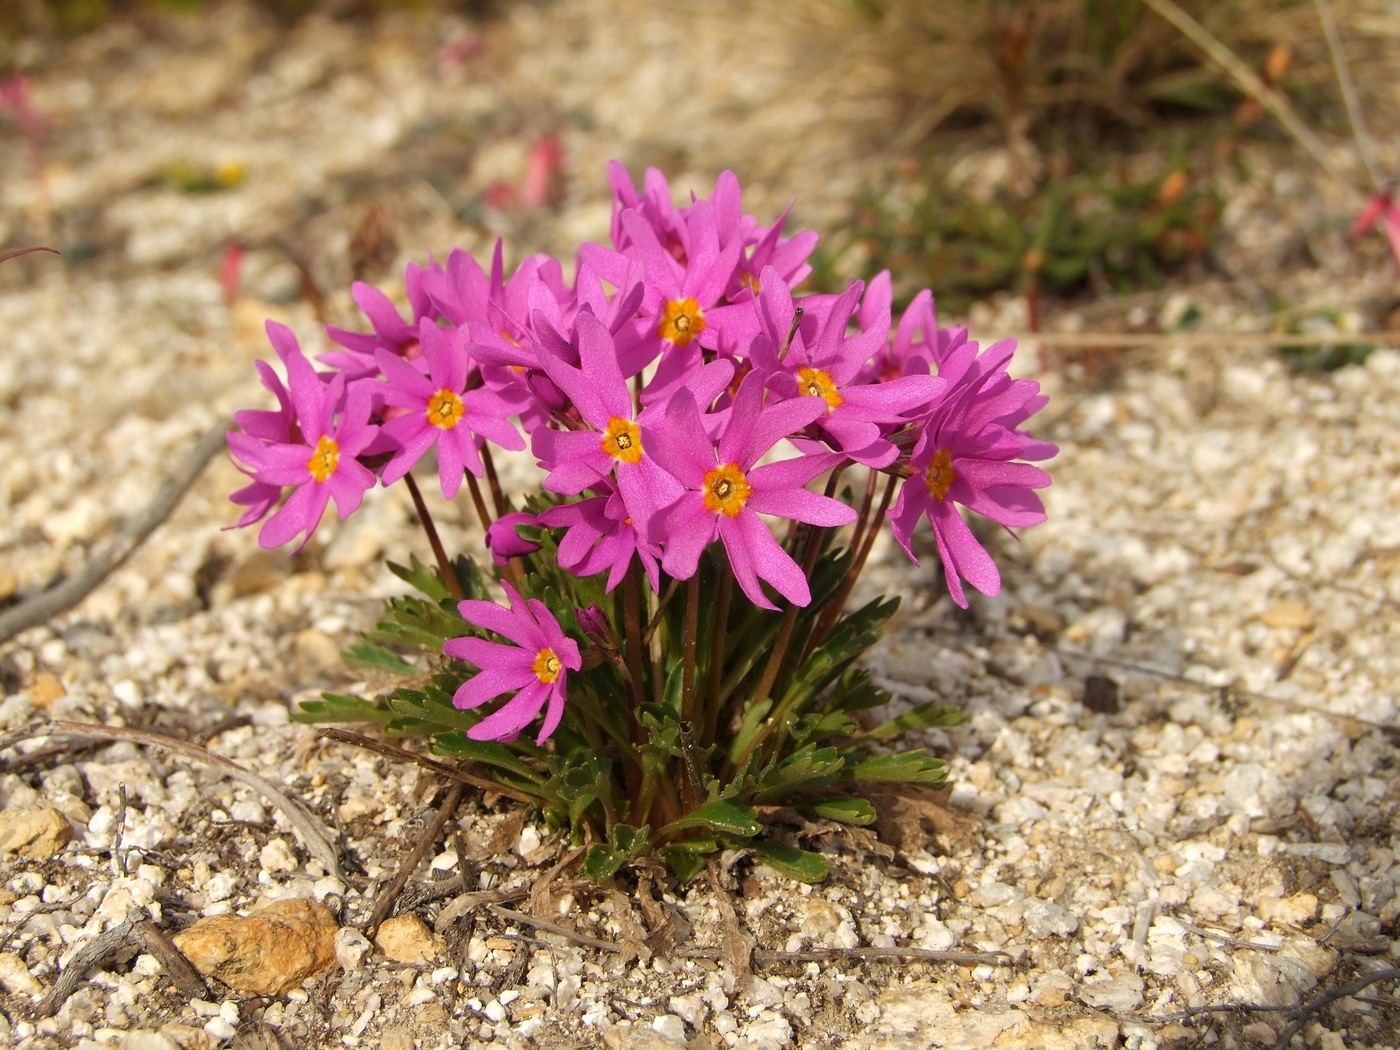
pixel 633 644
pixel 717 642
pixel 833 610
pixel 863 517
pixel 498 497
pixel 449 577
pixel 483 515
pixel 688 715
pixel 779 653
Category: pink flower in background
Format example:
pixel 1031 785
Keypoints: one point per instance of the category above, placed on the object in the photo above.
pixel 536 665
pixel 1381 207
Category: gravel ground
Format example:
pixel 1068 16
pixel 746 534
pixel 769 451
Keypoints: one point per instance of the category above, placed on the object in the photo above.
pixel 1177 789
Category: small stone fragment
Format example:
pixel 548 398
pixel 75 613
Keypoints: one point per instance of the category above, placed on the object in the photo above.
pixel 1119 994
pixel 407 939
pixel 46 689
pixel 15 977
pixel 1296 910
pixel 36 833
pixel 1287 614
pixel 145 1039
pixel 267 953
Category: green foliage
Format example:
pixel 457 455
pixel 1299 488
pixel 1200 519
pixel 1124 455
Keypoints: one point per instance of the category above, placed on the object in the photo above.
pixel 778 721
pixel 1324 356
pixel 1100 229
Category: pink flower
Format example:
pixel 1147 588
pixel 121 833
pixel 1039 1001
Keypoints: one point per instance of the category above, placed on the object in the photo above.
pixel 536 665
pixel 726 491
pixel 600 535
pixel 966 455
pixel 391 332
pixel 610 444
pixel 827 362
pixel 440 410
pixel 312 447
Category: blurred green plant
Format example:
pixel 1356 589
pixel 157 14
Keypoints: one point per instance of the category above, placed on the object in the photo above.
pixel 1097 229
pixel 74 17
pixel 1042 67
pixel 1323 356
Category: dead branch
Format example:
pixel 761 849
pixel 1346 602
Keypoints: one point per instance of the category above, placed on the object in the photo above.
pixel 311 831
pixel 391 750
pixel 1323 1001
pixel 136 930
pixel 59 597
pixel 390 896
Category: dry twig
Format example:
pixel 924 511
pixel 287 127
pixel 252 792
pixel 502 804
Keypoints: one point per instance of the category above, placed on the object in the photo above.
pixel 390 750
pixel 312 832
pixel 387 899
pixel 136 930
pixel 1323 1001
pixel 62 596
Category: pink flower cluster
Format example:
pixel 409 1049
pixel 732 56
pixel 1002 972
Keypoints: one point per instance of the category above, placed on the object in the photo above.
pixel 678 393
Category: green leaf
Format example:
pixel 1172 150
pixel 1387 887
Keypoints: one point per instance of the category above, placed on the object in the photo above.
pixel 458 745
pixel 924 716
pixel 336 707
pixel 685 864
pixel 723 816
pixel 806 768
pixel 748 729
pixel 366 654
pixel 908 767
pixel 844 809
pixel 799 864
pixel 603 860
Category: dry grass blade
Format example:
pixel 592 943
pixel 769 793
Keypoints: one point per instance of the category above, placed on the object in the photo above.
pixel 1203 340
pixel 1252 86
pixel 314 835
pixel 555 928
pixel 1364 145
pixel 17 252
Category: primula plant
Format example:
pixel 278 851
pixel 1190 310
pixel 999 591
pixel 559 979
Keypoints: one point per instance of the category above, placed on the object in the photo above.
pixel 717 453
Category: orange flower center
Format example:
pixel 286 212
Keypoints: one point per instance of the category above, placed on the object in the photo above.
pixel 817 383
pixel 939 476
pixel 325 459
pixel 681 321
pixel 727 490
pixel 445 409
pixel 623 440
pixel 547 666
